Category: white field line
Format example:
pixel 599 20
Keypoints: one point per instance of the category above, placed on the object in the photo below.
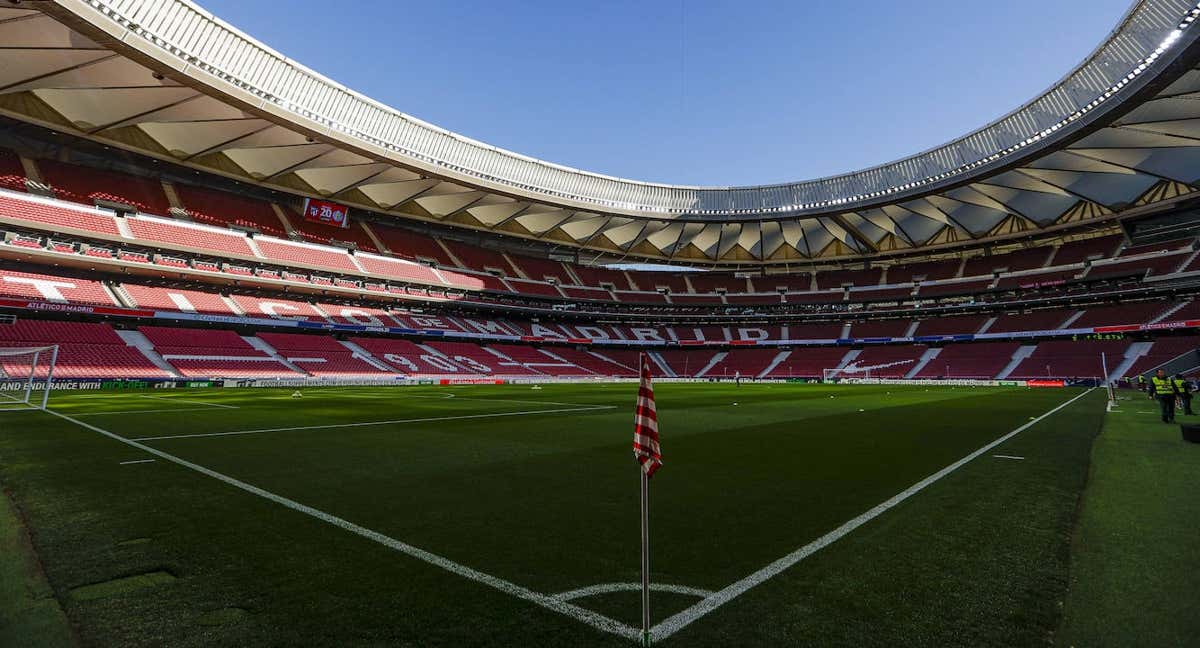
pixel 609 588
pixel 427 419
pixel 191 402
pixel 139 461
pixel 1008 457
pixel 552 603
pixel 679 621
pixel 149 411
pixel 465 398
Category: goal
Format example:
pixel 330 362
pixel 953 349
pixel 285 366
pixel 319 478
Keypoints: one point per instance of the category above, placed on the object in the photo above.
pixel 845 373
pixel 26 374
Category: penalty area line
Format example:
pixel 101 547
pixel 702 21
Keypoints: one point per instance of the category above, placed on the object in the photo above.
pixel 331 426
pixel 681 620
pixel 549 602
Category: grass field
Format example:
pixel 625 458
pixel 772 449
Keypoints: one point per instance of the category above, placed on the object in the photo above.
pixel 502 515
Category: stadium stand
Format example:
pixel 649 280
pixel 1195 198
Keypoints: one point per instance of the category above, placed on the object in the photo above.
pixel 12 174
pixel 981 360
pixel 222 209
pixel 1085 249
pixel 321 355
pixel 54 289
pixel 808 362
pixel 176 299
pixel 926 271
pixel 686 364
pixel 189 236
pixel 1069 359
pixel 58 217
pixel 86 350
pixel 746 363
pixel 1163 350
pixel 884 362
pixel 86 185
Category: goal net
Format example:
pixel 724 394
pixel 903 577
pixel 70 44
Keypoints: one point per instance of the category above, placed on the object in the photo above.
pixel 26 374
pixel 845 373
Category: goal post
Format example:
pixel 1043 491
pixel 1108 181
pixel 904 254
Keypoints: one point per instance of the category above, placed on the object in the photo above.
pixel 27 374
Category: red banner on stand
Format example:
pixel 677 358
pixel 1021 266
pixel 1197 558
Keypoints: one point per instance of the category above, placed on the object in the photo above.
pixel 326 213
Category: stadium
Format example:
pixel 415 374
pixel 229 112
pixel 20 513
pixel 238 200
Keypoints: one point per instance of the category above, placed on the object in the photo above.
pixel 283 365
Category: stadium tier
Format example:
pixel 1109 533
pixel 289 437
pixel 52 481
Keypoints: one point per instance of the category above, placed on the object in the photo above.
pixel 176 243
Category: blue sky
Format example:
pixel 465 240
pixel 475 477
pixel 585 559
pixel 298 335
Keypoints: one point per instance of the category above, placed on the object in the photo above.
pixel 712 93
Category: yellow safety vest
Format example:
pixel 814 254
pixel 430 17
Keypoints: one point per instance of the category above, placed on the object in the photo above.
pixel 1179 387
pixel 1162 386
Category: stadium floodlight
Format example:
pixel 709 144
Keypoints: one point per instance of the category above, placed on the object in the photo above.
pixel 27 374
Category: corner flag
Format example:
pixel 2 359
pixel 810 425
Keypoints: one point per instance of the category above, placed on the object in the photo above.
pixel 649 455
pixel 645 423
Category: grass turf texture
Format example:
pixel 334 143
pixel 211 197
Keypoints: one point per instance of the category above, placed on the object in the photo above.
pixel 1135 568
pixel 549 501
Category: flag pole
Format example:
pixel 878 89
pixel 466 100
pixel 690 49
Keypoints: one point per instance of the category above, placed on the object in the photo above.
pixel 645 557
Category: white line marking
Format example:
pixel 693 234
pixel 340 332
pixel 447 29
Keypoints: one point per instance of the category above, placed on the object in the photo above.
pixel 371 423
pixel 129 463
pixel 192 402
pixel 609 588
pixel 682 619
pixel 583 615
pixel 1008 457
pixel 149 411
pixel 465 398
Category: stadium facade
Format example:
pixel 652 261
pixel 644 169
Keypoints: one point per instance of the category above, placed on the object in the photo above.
pixel 155 162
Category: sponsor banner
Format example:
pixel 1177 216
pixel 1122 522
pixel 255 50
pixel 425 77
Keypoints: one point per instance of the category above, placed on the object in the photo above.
pixel 74 308
pixel 1147 327
pixel 1045 383
pixel 57 385
pixel 739 342
pixel 125 384
pixel 471 381
pixel 225 319
pixel 951 382
pixel 315 382
pixel 967 337
pixel 326 213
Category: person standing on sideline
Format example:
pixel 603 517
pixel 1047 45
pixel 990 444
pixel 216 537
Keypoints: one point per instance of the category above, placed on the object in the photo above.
pixel 1184 388
pixel 1163 389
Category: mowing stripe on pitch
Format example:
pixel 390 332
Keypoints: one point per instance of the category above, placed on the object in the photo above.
pixel 192 402
pixel 685 618
pixel 149 411
pixel 594 619
pixel 330 426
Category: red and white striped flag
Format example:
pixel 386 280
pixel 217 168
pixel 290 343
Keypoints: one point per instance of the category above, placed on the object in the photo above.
pixel 645 423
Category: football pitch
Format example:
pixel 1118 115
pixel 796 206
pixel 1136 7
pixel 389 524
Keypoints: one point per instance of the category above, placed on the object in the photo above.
pixel 505 515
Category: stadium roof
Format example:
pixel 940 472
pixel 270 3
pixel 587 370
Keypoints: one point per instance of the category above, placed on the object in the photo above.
pixel 168 79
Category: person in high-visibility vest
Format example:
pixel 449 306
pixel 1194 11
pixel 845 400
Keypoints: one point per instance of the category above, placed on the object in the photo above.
pixel 1141 382
pixel 1184 389
pixel 1163 388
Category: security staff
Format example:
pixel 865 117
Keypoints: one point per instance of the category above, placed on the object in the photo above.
pixel 1163 389
pixel 1141 383
pixel 1184 389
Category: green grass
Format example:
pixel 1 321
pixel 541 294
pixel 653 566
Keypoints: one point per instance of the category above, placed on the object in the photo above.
pixel 1135 572
pixel 549 502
